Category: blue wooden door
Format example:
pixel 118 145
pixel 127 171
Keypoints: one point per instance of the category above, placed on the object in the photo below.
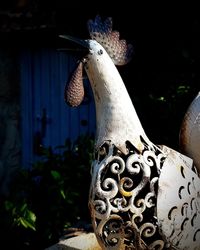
pixel 45 117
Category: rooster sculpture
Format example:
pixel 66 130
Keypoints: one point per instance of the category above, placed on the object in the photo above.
pixel 142 195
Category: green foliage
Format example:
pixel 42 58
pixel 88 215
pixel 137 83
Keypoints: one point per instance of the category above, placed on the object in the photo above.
pixel 47 198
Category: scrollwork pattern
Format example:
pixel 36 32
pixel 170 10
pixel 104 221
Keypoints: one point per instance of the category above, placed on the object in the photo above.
pixel 123 198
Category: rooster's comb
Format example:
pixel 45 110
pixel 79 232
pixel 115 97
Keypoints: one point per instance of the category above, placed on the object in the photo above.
pixel 101 31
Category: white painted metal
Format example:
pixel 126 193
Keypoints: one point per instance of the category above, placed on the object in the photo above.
pixel 190 132
pixel 116 117
pixel 178 202
pixel 84 241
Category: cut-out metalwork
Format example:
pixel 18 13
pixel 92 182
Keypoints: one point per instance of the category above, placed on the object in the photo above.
pixel 123 198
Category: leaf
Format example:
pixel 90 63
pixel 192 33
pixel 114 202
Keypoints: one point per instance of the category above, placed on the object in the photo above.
pixel 26 223
pixel 31 216
pixel 23 208
pixel 63 194
pixel 8 205
pixel 55 174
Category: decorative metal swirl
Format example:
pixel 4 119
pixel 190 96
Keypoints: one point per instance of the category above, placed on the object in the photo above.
pixel 123 198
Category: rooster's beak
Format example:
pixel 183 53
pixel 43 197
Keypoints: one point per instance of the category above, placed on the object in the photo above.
pixel 83 43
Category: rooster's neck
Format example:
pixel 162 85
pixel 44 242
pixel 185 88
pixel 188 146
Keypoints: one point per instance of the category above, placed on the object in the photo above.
pixel 116 118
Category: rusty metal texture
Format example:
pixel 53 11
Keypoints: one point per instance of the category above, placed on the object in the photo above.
pixel 74 90
pixel 101 31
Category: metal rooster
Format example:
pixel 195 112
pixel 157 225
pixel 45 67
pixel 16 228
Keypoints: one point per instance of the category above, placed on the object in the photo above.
pixel 142 195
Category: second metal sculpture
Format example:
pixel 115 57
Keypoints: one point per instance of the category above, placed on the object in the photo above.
pixel 142 195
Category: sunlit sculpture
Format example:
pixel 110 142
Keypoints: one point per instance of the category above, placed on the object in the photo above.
pixel 142 195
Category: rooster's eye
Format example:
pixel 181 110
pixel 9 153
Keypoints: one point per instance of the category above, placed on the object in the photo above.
pixel 100 52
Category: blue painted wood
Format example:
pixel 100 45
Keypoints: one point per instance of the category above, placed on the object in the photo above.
pixel 26 108
pixel 44 73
